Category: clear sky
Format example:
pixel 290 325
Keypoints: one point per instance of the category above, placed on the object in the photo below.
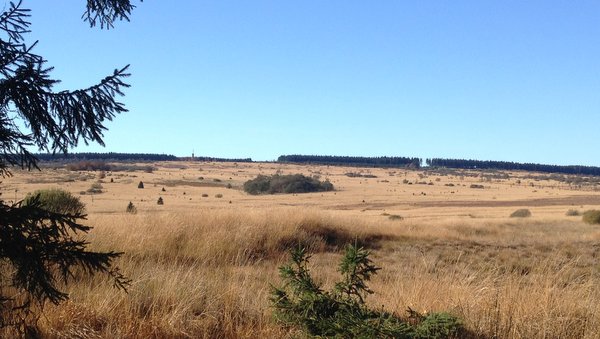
pixel 489 80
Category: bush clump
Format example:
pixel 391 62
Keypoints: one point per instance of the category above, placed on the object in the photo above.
pixel 521 213
pixel 292 183
pixel 591 217
pixel 342 312
pixel 160 201
pixel 96 188
pixel 141 185
pixel 573 213
pixel 56 200
pixel 131 208
pixel 89 166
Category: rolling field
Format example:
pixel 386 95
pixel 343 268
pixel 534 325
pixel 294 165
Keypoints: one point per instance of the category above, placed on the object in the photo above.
pixel 202 263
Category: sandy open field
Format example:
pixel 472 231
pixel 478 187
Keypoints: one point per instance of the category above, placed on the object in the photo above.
pixel 427 196
pixel 202 262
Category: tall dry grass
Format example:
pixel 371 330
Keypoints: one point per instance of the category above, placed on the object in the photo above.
pixel 207 274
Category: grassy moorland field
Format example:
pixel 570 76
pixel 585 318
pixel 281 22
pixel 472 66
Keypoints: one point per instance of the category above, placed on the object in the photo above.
pixel 202 263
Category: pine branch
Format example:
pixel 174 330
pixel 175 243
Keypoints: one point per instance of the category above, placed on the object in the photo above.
pixel 42 247
pixel 13 21
pixel 105 12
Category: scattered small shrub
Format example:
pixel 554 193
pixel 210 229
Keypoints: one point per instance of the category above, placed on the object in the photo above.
pixel 591 217
pixel 572 213
pixel 219 195
pixel 395 217
pixel 294 183
pixel 217 180
pixel 141 185
pixel 521 213
pixel 204 195
pixel 360 175
pixel 96 188
pixel 160 201
pixel 131 208
pixel 163 189
pixel 476 186
pixel 56 200
pixel 229 186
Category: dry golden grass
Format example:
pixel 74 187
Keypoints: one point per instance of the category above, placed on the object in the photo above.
pixel 202 268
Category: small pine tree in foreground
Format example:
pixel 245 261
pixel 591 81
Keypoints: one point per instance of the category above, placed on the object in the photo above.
pixel 342 312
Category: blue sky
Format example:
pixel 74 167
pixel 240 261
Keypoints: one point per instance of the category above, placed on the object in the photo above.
pixel 489 80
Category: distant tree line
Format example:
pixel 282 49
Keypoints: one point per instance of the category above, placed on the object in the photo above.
pixel 337 160
pixel 220 159
pixel 348 160
pixel 508 165
pixel 111 156
pixel 106 156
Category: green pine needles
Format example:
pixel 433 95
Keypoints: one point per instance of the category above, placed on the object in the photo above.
pixel 342 313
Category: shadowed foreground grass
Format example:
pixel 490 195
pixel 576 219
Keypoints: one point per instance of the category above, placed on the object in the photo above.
pixel 208 273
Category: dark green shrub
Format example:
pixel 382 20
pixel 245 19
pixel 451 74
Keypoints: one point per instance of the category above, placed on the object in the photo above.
pixel 573 213
pixel 591 217
pixel 294 183
pixel 96 188
pixel 342 312
pixel 56 200
pixel 131 208
pixel 521 213
pixel 160 201
pixel 438 325
pixel 360 175
pixel 141 185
